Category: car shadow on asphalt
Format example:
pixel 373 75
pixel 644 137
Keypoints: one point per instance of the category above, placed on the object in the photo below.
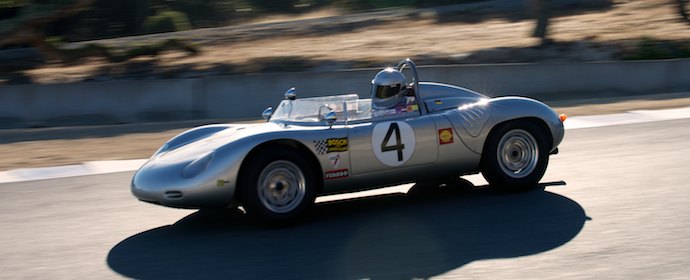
pixel 423 233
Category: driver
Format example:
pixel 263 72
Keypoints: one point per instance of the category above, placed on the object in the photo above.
pixel 391 95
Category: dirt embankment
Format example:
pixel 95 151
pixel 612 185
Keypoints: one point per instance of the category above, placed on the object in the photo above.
pixel 328 40
pixel 381 39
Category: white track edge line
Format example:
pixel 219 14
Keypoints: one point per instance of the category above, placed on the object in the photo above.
pixel 114 166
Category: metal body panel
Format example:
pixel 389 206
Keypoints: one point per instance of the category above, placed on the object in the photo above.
pixel 439 97
pixel 454 157
pixel 200 167
pixel 362 151
pixel 215 184
pixel 477 119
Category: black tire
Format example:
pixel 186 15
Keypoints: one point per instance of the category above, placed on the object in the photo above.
pixel 278 186
pixel 515 156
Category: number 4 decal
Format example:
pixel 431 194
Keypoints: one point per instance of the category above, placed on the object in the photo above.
pixel 393 143
pixel 399 146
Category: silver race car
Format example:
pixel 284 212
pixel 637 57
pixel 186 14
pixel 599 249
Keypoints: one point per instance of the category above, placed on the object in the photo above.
pixel 408 131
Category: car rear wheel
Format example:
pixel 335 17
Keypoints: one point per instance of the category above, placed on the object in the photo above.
pixel 515 156
pixel 278 187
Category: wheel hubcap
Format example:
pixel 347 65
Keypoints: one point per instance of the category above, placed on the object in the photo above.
pixel 281 186
pixel 518 153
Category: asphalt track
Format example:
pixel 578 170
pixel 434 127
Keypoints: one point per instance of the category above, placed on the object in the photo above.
pixel 623 214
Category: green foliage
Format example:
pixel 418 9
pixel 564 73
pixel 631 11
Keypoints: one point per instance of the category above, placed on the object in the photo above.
pixel 155 49
pixel 109 18
pixel 381 4
pixel 273 5
pixel 650 48
pixel 166 21
pixel 370 4
pixel 54 40
pixel 11 3
pixel 120 54
pixel 208 13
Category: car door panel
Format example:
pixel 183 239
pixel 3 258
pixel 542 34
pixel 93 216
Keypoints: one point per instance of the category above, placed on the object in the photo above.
pixel 390 144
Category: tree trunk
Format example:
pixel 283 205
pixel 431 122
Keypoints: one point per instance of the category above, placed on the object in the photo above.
pixel 541 29
pixel 682 9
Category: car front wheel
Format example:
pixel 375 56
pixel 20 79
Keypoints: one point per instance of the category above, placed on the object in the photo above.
pixel 515 156
pixel 278 187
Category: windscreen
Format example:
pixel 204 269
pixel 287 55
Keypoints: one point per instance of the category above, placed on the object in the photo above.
pixel 312 110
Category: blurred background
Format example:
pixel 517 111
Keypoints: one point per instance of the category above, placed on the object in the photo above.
pixel 97 62
pixel 59 41
pixel 94 87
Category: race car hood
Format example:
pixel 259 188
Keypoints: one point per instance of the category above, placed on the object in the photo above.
pixel 193 164
pixel 200 141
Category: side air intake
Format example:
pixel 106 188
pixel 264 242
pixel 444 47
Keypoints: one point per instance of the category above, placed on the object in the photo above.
pixel 173 194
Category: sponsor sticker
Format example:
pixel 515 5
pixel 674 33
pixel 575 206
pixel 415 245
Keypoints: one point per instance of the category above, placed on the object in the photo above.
pixel 335 160
pixel 331 145
pixel 445 136
pixel 384 112
pixel 221 183
pixel 336 174
pixel 336 145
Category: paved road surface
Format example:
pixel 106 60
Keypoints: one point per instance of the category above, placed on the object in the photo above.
pixel 624 214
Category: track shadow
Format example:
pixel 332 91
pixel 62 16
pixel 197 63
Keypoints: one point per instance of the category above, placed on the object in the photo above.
pixel 516 10
pixel 396 236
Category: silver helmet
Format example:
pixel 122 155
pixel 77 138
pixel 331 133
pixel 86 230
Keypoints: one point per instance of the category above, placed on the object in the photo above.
pixel 388 88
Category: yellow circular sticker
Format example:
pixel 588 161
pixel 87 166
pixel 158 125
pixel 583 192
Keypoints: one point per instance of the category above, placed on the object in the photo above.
pixel 445 136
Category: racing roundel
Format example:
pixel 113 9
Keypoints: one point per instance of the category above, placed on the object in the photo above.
pixel 393 143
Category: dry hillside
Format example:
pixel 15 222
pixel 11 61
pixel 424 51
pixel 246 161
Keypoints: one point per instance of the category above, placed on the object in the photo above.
pixel 331 41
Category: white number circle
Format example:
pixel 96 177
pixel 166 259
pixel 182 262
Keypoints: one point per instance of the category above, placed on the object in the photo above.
pixel 393 142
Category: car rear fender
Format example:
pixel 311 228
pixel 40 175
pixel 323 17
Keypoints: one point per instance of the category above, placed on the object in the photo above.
pixel 477 121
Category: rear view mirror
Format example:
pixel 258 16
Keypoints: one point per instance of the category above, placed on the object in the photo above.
pixel 291 94
pixel 267 113
pixel 330 118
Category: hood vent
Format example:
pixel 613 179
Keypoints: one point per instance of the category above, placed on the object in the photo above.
pixel 173 194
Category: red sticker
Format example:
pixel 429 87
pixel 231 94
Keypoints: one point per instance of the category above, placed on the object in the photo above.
pixel 445 136
pixel 336 174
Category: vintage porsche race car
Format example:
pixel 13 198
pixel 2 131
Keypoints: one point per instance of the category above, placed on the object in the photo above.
pixel 407 132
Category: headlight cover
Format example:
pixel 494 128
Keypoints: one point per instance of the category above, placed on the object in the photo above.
pixel 195 167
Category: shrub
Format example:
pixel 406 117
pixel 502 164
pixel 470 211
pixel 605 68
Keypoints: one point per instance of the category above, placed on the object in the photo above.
pixel 167 21
pixel 649 48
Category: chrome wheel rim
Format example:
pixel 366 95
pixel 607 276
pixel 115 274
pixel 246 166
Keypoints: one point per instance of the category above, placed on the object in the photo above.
pixel 281 186
pixel 518 153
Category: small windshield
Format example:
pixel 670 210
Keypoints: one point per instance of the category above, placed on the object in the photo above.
pixel 312 110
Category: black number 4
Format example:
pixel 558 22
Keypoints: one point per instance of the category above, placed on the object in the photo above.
pixel 399 146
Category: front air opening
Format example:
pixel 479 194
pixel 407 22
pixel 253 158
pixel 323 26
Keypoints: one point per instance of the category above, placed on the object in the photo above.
pixel 173 194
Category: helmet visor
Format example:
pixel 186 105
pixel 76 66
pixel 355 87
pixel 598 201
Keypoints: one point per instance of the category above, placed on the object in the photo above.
pixel 383 92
